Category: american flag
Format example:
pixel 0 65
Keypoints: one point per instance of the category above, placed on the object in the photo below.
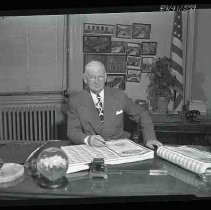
pixel 177 59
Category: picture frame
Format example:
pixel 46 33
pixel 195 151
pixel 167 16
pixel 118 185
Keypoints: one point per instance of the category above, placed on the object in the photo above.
pixel 146 64
pixel 96 44
pixel 118 47
pixel 133 49
pixel 116 81
pixel 141 31
pixel 116 63
pixel 149 48
pixel 133 76
pixel 133 62
pixel 123 31
pixel 94 57
pixel 100 29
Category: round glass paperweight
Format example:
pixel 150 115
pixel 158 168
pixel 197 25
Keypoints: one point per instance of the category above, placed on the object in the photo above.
pixel 52 165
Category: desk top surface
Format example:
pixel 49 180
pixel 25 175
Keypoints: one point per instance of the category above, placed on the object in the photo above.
pixel 130 180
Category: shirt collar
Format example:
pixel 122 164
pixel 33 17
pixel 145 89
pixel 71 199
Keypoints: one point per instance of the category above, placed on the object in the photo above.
pixel 94 96
pixel 101 94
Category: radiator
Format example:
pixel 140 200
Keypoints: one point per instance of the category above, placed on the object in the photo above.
pixel 28 123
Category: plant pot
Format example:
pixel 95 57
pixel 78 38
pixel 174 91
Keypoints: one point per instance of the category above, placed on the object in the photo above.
pixel 162 104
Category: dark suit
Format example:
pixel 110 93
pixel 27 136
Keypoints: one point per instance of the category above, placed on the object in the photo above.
pixel 83 118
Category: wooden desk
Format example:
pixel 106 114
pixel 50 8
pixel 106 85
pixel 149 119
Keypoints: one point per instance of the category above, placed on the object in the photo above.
pixel 173 129
pixel 127 182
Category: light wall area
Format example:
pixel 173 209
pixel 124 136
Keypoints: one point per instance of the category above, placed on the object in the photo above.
pixel 201 72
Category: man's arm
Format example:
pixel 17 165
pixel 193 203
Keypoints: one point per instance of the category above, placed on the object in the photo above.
pixel 74 129
pixel 140 115
pixel 75 132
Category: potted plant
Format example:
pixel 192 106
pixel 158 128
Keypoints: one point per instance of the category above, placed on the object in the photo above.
pixel 160 88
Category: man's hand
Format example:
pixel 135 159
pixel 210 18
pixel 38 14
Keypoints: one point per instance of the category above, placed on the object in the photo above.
pixel 152 144
pixel 96 141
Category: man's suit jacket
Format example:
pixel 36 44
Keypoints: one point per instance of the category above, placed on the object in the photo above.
pixel 83 118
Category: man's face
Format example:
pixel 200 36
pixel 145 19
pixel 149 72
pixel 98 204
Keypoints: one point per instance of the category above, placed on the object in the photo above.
pixel 95 78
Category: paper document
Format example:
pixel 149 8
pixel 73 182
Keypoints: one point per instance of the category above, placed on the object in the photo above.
pixel 115 152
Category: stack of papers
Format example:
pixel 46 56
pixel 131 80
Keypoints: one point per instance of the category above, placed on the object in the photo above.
pixel 114 152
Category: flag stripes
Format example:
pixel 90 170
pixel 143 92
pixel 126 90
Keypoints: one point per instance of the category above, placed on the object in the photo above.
pixel 176 51
pixel 178 102
pixel 177 60
pixel 177 42
pixel 177 67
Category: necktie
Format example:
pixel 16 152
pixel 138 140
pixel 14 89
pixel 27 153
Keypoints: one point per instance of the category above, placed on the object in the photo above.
pixel 99 107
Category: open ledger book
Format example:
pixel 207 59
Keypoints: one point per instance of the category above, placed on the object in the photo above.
pixel 114 152
pixel 192 159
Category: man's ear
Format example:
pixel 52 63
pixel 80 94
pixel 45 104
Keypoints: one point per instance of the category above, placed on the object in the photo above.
pixel 84 78
pixel 105 78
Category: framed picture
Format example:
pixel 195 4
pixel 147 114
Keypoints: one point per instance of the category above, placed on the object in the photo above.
pixel 116 81
pixel 133 76
pixel 118 47
pixel 116 64
pixel 133 62
pixel 123 31
pixel 102 29
pixel 141 31
pixel 94 57
pixel 96 44
pixel 146 64
pixel 149 48
pixel 133 49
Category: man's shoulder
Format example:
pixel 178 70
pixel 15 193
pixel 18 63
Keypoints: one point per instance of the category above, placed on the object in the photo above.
pixel 78 95
pixel 114 91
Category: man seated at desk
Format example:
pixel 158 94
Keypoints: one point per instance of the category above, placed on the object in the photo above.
pixel 96 115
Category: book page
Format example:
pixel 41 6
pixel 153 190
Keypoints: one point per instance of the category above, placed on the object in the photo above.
pixel 115 152
pixel 126 148
pixel 195 153
pixel 187 157
pixel 83 154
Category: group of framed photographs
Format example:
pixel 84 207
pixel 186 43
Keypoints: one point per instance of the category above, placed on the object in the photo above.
pixel 119 63
pixel 104 44
pixel 134 31
pixel 125 61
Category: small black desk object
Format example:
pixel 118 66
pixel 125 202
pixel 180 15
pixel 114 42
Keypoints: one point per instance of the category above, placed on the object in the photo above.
pixel 97 169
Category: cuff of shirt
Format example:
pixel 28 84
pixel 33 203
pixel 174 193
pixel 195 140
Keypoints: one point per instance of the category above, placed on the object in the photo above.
pixel 87 139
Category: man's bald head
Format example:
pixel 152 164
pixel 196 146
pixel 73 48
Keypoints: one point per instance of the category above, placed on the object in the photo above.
pixel 95 65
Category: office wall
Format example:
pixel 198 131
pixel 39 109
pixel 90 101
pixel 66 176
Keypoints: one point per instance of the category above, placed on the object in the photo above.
pixel 201 72
pixel 161 29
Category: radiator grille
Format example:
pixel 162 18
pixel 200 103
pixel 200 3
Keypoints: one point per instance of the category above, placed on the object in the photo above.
pixel 28 123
